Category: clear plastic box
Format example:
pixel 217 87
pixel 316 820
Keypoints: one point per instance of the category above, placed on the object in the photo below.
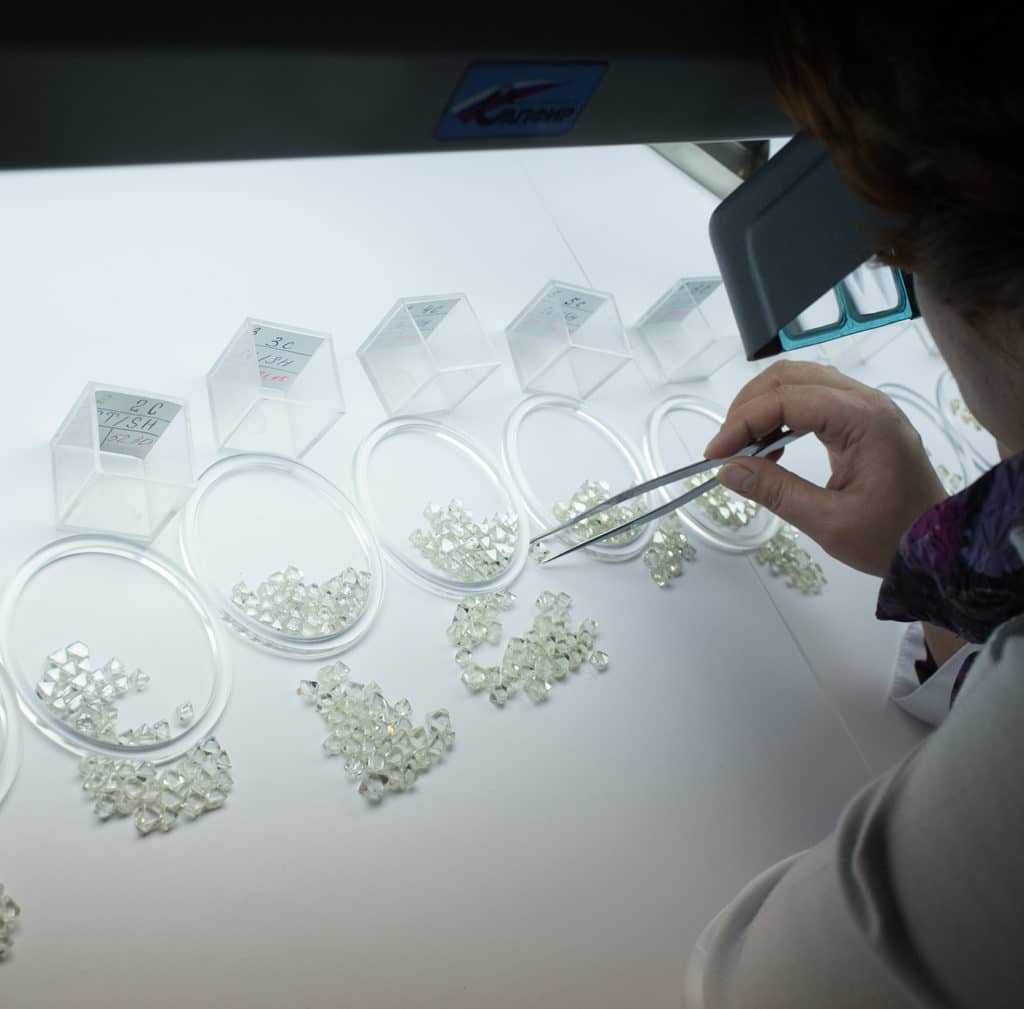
pixel 122 462
pixel 687 334
pixel 427 355
pixel 568 341
pixel 274 389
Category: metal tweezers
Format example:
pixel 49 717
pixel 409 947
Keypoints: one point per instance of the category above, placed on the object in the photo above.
pixel 773 443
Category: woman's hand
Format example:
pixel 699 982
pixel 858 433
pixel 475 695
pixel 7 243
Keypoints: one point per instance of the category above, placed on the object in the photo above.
pixel 881 477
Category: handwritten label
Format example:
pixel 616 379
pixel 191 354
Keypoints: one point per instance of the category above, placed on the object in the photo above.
pixel 702 287
pixel 683 300
pixel 428 315
pixel 282 354
pixel 130 424
pixel 575 307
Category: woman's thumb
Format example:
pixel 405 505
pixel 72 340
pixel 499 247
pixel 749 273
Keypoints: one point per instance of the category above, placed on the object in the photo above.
pixel 792 498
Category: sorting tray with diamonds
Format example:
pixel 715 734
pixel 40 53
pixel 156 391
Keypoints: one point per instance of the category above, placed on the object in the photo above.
pixel 677 431
pixel 113 650
pixel 945 451
pixel 287 559
pixel 564 459
pixel 445 514
pixel 978 445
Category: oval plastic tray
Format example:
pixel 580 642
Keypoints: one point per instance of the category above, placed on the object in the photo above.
pixel 254 514
pixel 123 601
pixel 978 445
pixel 677 431
pixel 944 450
pixel 408 463
pixel 10 743
pixel 551 445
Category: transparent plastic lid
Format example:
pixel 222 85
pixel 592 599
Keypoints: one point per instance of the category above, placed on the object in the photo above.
pixel 978 445
pixel 945 451
pixel 556 452
pixel 148 675
pixel 287 558
pixel 409 464
pixel 677 431
pixel 10 744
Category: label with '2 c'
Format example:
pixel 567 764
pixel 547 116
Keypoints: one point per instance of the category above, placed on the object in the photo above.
pixel 130 424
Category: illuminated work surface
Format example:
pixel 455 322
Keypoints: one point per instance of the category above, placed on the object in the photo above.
pixel 565 855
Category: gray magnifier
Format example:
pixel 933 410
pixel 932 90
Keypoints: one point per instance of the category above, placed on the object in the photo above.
pixel 791 244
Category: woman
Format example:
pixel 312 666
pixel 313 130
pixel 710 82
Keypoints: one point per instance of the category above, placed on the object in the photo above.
pixel 917 898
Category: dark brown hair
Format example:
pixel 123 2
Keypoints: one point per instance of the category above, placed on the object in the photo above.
pixel 922 109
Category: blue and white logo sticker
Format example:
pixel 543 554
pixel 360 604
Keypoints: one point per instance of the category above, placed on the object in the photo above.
pixel 497 100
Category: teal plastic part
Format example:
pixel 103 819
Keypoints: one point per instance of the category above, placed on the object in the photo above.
pixel 850 321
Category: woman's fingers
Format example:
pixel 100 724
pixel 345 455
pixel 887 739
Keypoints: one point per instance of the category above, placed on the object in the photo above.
pixel 881 477
pixel 784 373
pixel 795 500
pixel 834 415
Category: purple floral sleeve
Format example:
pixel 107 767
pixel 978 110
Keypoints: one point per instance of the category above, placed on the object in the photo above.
pixel 957 566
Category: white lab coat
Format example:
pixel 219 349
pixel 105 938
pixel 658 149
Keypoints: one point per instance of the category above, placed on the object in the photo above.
pixel 917 898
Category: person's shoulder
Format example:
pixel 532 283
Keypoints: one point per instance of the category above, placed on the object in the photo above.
pixel 998 671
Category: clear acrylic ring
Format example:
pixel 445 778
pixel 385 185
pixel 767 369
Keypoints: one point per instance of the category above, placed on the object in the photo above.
pixel 704 419
pixel 407 463
pixel 10 740
pixel 551 463
pixel 977 444
pixel 254 514
pixel 123 601
pixel 944 450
